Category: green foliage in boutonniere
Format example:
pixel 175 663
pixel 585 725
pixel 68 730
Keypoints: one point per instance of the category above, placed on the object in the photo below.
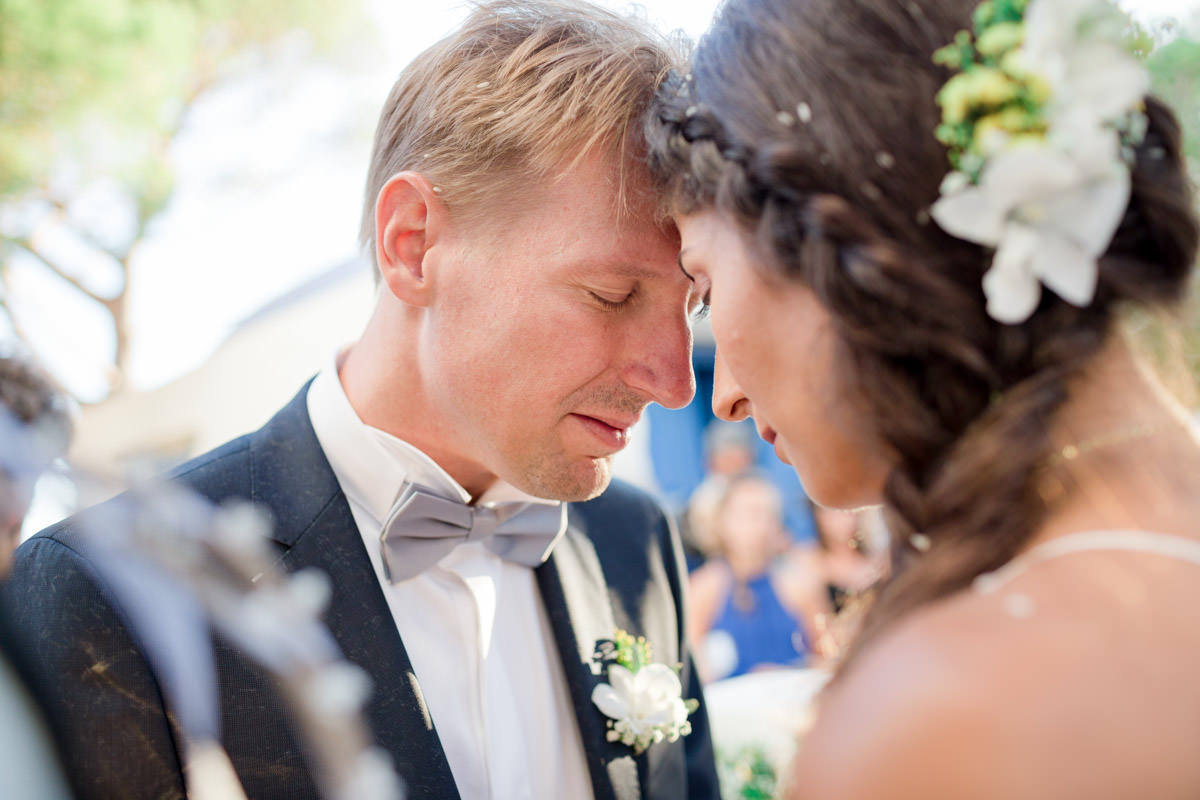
pixel 631 653
pixel 643 700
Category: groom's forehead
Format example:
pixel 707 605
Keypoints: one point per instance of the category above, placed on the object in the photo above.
pixel 598 191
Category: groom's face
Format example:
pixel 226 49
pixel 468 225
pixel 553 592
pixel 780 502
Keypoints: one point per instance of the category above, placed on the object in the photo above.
pixel 553 332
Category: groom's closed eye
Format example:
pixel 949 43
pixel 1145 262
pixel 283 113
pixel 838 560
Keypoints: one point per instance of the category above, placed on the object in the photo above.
pixel 612 301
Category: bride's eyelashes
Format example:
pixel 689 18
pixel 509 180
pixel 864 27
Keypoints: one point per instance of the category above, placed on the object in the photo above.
pixel 701 311
pixel 683 269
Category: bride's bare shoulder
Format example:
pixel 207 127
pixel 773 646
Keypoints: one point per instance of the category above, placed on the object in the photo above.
pixel 953 696
pixel 919 706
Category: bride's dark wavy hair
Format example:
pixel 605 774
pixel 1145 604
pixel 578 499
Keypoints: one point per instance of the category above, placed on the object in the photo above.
pixel 810 123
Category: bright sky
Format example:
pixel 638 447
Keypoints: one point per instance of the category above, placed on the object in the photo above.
pixel 270 173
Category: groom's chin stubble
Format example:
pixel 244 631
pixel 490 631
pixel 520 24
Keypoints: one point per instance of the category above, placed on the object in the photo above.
pixel 575 481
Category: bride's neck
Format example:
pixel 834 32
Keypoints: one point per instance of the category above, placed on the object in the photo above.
pixel 1124 452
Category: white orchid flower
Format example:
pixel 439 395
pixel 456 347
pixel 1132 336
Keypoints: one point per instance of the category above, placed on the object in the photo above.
pixel 1089 71
pixel 1048 218
pixel 646 706
pixel 1102 78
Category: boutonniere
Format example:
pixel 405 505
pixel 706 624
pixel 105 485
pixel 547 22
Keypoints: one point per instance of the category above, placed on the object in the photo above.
pixel 643 701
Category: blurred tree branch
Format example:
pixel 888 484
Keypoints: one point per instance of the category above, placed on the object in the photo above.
pixel 97 90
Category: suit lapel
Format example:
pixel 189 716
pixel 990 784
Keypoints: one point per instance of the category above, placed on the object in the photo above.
pixel 314 522
pixel 576 597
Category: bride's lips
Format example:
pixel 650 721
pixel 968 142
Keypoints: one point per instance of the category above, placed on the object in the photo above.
pixel 769 435
pixel 611 431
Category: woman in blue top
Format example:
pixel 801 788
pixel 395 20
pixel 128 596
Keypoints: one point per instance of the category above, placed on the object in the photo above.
pixel 747 609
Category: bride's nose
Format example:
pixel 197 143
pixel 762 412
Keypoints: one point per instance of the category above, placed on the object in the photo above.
pixel 729 402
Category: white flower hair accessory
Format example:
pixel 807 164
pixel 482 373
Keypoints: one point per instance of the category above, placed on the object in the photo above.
pixel 1039 123
pixel 643 701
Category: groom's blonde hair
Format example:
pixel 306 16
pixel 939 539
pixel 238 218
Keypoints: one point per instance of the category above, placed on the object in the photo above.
pixel 522 89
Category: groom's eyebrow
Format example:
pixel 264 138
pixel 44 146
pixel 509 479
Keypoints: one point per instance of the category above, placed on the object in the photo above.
pixel 620 269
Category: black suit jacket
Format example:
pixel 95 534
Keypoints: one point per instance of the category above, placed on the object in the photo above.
pixel 619 565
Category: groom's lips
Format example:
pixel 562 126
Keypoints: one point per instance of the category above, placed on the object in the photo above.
pixel 612 431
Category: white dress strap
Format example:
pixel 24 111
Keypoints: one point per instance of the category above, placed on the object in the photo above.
pixel 1180 548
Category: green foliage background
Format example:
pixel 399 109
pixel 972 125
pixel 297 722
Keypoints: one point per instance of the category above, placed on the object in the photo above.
pixel 1175 76
pixel 78 75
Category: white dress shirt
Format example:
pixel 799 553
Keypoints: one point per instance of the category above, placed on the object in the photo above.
pixel 473 625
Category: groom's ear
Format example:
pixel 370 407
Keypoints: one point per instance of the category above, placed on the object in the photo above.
pixel 408 218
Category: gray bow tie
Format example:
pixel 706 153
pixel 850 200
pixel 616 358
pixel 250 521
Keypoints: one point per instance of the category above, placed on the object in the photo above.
pixel 423 527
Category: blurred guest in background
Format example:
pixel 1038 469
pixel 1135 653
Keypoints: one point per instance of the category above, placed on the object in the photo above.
pixel 729 450
pixel 747 610
pixel 848 559
pixel 35 429
pixel 847 553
